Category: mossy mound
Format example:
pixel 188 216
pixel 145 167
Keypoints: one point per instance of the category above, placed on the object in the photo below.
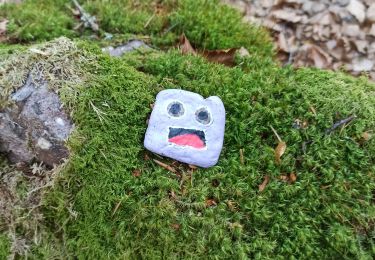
pixel 102 209
pixel 113 201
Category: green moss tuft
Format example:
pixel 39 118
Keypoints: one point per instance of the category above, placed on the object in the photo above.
pixel 38 20
pixel 4 246
pixel 211 25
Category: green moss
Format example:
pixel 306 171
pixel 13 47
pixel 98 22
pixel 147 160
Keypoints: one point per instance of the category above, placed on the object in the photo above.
pixel 38 20
pixel 211 25
pixel 100 210
pixel 163 22
pixel 131 16
pixel 327 212
pixel 4 246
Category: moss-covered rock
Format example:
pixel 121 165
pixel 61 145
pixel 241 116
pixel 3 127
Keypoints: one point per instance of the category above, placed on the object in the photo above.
pixel 112 201
pixel 101 208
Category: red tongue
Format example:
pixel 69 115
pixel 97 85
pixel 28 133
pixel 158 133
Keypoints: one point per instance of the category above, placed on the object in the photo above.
pixel 187 140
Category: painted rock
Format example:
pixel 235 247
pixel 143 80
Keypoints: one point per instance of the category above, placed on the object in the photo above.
pixel 186 127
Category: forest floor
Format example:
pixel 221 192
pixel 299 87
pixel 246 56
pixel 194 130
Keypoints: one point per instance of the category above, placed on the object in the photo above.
pixel 328 34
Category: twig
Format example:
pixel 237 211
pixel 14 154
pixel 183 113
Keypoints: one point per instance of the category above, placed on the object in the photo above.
pixel 165 166
pixel 98 112
pixel 277 136
pixel 264 183
pixel 340 123
pixel 149 21
pixel 116 208
pixel 87 19
pixel 242 160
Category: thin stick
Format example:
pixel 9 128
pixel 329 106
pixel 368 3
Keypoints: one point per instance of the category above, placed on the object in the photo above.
pixel 277 136
pixel 149 20
pixel 116 208
pixel 242 160
pixel 165 166
pixel 340 123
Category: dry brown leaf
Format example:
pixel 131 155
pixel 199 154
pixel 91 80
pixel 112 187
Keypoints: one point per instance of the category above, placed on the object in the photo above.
pixel 282 42
pixel 210 203
pixel 279 151
pixel 357 9
pixel 366 136
pixel 287 15
pixel 225 57
pixel 292 177
pixel 362 64
pixel 136 173
pixel 176 226
pixel 284 177
pixel 264 183
pixel 185 45
pixel 370 15
pixel 372 30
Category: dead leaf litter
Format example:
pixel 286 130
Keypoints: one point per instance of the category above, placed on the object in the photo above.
pixel 328 34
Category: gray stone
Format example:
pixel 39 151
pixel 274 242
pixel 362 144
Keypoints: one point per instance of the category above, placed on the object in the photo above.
pixel 36 127
pixel 186 127
pixel 129 46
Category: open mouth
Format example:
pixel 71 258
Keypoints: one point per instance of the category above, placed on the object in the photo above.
pixel 187 137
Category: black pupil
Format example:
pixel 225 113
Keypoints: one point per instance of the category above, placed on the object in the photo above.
pixel 203 115
pixel 175 109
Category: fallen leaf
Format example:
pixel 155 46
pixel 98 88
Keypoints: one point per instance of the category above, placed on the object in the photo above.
pixel 357 9
pixel 279 151
pixel 264 183
pixel 243 52
pixel 370 15
pixel 136 173
pixel 284 177
pixel 175 226
pixel 372 30
pixel 292 177
pixel 3 26
pixel 366 136
pixel 320 58
pixel 287 15
pixel 225 57
pixel 362 64
pixel 185 45
pixel 210 203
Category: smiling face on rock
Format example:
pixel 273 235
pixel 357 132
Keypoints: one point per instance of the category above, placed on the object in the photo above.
pixel 186 127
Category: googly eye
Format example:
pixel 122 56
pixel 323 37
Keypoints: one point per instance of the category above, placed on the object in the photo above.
pixel 176 109
pixel 203 116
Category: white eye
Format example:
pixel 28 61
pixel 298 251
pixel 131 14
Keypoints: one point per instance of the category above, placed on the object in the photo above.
pixel 176 109
pixel 203 116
